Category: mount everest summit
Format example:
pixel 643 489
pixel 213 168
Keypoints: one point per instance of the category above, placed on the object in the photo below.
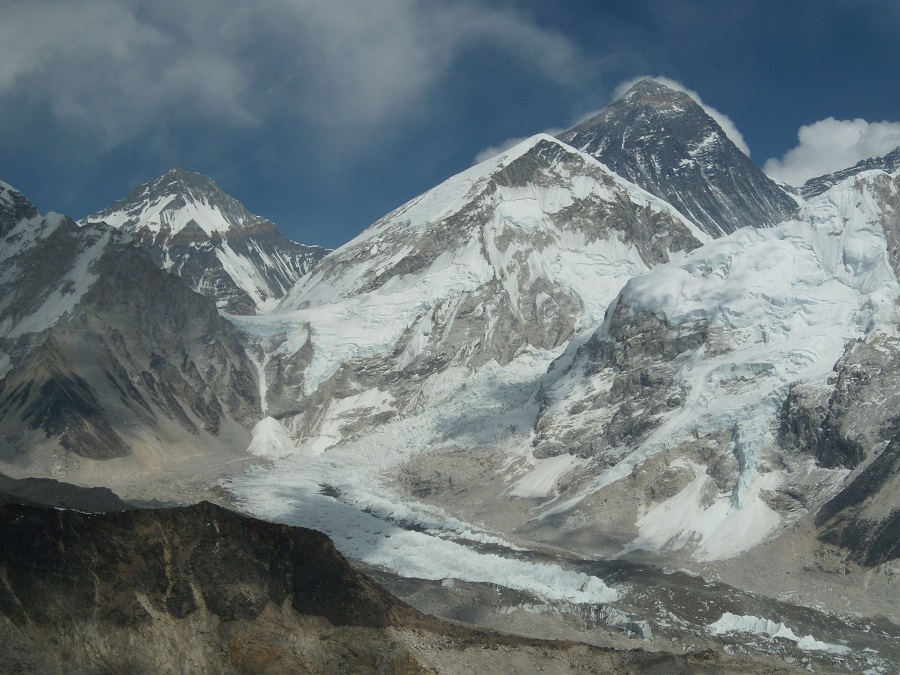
pixel 662 140
pixel 625 341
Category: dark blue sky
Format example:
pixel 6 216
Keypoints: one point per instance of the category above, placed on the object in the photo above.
pixel 323 115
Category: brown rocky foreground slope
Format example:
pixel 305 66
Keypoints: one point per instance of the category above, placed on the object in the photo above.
pixel 203 589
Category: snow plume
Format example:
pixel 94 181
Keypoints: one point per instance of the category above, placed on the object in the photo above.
pixel 831 145
pixel 495 150
pixel 721 118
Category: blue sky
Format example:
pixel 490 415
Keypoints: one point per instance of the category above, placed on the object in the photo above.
pixel 323 115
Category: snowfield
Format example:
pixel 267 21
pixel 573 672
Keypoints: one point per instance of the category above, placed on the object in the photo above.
pixel 338 492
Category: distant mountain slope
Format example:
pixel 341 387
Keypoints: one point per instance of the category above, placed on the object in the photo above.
pixel 103 356
pixel 49 492
pixel 662 140
pixel 522 251
pixel 193 229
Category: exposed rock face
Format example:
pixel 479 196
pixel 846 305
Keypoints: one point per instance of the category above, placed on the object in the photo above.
pixel 856 413
pixel 49 492
pixel 853 423
pixel 864 517
pixel 633 367
pixel 193 229
pixel 685 379
pixel 662 140
pixel 14 208
pixel 103 355
pixel 203 589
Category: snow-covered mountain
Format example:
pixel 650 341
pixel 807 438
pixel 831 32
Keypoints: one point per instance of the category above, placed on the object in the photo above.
pixel 710 385
pixel 109 367
pixel 573 345
pixel 521 252
pixel 734 401
pixel 662 140
pixel 193 229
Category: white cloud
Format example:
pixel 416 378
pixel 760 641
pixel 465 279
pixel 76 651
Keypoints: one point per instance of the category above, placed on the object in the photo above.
pixel 119 68
pixel 721 118
pixel 830 145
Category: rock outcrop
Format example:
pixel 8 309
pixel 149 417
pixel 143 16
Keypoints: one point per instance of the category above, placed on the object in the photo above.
pixel 203 589
pixel 193 229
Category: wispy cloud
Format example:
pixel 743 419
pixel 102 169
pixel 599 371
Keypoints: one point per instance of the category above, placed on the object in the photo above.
pixel 830 145
pixel 495 150
pixel 121 68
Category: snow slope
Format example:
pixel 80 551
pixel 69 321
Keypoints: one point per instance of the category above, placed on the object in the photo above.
pixel 45 264
pixel 194 230
pixel 442 314
pixel 527 248
pixel 728 330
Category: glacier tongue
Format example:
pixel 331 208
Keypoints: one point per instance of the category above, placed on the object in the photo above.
pixel 338 492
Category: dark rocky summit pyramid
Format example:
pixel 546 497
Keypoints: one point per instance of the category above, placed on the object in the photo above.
pixel 662 140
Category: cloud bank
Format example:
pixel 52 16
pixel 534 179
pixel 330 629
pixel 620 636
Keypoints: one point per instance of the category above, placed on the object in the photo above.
pixel 830 145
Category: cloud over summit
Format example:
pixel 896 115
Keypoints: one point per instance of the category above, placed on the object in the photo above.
pixel 831 145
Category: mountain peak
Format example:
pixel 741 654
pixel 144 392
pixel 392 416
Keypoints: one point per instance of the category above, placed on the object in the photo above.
pixel 177 200
pixel 653 91
pixel 195 230
pixel 187 182
pixel 664 141
pixel 816 186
